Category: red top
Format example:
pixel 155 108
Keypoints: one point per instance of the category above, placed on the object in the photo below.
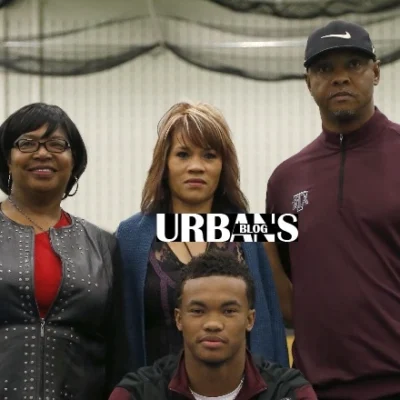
pixel 48 269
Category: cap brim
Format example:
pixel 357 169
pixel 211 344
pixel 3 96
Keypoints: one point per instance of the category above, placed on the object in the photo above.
pixel 310 60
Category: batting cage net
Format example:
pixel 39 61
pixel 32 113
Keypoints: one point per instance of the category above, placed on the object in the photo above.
pixel 256 39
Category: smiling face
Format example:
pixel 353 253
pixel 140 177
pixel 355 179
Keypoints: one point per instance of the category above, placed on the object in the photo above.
pixel 193 173
pixel 342 84
pixel 40 171
pixel 214 317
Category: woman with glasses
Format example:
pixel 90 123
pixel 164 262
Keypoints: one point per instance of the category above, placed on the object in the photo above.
pixel 194 170
pixel 61 327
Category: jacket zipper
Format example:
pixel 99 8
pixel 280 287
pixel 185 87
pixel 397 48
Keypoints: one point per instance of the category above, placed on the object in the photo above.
pixel 42 347
pixel 341 172
pixel 42 327
pixel 40 386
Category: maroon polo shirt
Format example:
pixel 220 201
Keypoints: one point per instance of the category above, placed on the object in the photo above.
pixel 345 267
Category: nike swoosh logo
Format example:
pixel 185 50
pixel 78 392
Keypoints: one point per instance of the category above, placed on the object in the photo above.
pixel 344 36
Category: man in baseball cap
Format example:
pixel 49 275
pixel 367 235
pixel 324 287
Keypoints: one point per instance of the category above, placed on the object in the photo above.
pixel 345 268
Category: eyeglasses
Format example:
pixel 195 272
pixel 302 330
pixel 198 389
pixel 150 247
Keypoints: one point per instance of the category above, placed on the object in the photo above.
pixel 51 145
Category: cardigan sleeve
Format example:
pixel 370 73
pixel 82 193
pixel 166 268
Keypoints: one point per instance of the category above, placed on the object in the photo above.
pixel 117 354
pixel 277 323
pixel 135 236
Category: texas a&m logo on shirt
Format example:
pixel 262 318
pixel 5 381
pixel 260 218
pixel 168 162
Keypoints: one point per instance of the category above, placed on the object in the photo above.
pixel 300 200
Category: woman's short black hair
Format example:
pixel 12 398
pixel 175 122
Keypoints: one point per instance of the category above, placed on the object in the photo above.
pixel 32 117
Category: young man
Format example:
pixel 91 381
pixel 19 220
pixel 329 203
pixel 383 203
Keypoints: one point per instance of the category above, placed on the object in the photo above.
pixel 215 313
pixel 345 187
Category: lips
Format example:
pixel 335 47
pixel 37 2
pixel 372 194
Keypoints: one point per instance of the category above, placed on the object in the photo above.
pixel 212 339
pixel 212 342
pixel 341 94
pixel 195 181
pixel 42 172
pixel 42 168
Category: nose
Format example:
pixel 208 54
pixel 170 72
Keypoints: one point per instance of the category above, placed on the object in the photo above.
pixel 196 164
pixel 213 324
pixel 42 152
pixel 340 78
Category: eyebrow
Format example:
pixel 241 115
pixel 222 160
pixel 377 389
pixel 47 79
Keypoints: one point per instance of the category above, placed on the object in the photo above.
pixel 180 147
pixel 52 136
pixel 196 303
pixel 231 303
pixel 186 148
pixel 224 304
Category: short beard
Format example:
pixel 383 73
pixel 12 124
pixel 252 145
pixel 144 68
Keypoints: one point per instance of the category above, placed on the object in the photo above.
pixel 344 115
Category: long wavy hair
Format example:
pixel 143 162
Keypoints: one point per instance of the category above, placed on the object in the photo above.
pixel 204 126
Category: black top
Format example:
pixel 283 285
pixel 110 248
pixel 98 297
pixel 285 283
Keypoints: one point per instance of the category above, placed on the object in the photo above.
pixel 162 336
pixel 167 380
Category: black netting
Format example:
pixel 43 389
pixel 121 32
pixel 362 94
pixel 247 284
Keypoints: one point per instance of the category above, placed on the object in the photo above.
pixel 300 28
pixel 259 46
pixel 262 63
pixel 4 3
pixel 308 8
pixel 46 65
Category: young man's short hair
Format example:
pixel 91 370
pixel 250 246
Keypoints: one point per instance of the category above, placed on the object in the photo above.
pixel 216 263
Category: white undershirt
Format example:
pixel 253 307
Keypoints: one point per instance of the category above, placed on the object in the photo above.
pixel 229 396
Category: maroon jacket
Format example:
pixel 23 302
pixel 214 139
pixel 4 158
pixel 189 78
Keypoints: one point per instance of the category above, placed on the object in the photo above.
pixel 345 267
pixel 167 380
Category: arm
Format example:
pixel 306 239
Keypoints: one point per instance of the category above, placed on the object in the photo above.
pixel 146 382
pixel 282 282
pixel 117 353
pixel 278 258
pixel 305 392
pixel 120 393
pixel 291 384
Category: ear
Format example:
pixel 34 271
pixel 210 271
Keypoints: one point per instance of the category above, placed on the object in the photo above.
pixel 377 72
pixel 251 318
pixel 178 319
pixel 307 80
pixel 9 160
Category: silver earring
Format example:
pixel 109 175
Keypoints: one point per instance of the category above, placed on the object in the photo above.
pixel 9 183
pixel 77 187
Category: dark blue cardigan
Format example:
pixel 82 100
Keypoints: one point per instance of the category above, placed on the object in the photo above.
pixel 136 235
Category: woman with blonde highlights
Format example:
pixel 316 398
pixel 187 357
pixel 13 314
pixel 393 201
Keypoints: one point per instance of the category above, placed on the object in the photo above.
pixel 194 170
pixel 205 128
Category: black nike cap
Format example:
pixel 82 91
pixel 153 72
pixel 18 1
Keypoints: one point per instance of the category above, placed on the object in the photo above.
pixel 338 35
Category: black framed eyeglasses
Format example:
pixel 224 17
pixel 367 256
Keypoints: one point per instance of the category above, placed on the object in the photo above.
pixel 51 145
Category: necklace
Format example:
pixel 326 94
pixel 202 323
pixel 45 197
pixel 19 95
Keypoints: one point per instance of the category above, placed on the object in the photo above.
pixel 26 216
pixel 188 250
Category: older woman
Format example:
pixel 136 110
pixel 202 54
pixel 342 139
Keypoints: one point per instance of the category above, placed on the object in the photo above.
pixel 194 170
pixel 61 331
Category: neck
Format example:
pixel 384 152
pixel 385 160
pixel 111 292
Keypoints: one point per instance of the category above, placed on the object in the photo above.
pixel 37 205
pixel 180 207
pixel 215 381
pixel 334 124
